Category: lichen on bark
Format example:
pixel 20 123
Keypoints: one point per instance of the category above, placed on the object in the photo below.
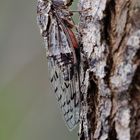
pixel 110 61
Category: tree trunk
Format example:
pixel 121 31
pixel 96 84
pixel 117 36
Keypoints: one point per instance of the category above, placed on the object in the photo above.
pixel 110 69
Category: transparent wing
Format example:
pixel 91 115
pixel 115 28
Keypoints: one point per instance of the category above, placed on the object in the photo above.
pixel 66 94
pixel 64 74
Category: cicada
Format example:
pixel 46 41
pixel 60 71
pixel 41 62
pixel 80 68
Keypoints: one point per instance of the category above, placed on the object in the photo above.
pixel 55 23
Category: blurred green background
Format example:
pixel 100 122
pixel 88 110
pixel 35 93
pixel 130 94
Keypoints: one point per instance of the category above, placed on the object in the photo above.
pixel 28 108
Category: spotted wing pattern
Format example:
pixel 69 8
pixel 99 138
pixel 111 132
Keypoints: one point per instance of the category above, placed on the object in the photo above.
pixel 61 56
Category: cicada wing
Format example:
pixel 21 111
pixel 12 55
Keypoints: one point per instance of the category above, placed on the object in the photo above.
pixel 60 53
pixel 60 65
pixel 67 94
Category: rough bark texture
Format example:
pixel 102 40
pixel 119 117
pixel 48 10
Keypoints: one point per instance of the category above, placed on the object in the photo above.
pixel 110 69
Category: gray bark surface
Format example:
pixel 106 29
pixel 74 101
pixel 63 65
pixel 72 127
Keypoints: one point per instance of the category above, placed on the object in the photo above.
pixel 110 69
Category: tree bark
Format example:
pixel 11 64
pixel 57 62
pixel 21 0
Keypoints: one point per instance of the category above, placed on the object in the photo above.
pixel 110 69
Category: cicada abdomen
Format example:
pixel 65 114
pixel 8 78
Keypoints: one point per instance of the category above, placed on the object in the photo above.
pixel 55 23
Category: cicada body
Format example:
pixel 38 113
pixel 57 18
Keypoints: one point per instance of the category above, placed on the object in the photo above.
pixel 55 23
